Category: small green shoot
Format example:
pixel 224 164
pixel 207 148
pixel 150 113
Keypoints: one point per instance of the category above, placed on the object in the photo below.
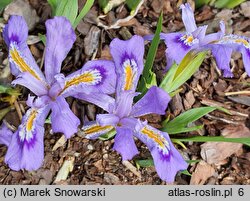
pixel 181 73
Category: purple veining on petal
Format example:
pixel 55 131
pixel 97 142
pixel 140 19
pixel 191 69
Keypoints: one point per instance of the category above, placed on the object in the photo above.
pixel 177 39
pixel 126 56
pixel 164 156
pixel 103 73
pixel 28 143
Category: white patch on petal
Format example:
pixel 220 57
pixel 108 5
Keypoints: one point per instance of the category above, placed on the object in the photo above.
pixel 89 77
pixel 27 128
pixel 16 57
pixel 95 130
pixel 234 39
pixel 189 40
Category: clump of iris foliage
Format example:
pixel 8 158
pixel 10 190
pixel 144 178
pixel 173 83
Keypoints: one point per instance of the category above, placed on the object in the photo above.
pixel 98 79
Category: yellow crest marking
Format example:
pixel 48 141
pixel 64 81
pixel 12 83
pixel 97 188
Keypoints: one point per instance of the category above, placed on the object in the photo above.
pixel 128 77
pixel 30 120
pixel 20 62
pixel 151 134
pixel 243 41
pixel 189 39
pixel 96 129
pixel 87 77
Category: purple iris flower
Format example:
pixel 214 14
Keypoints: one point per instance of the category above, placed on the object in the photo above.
pixel 221 45
pixel 26 149
pixel 5 135
pixel 180 43
pixel 123 114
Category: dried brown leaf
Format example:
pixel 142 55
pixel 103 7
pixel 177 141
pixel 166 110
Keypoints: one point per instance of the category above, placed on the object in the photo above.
pixel 202 172
pixel 216 152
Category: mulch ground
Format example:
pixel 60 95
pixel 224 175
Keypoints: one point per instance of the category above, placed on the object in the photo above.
pixel 94 161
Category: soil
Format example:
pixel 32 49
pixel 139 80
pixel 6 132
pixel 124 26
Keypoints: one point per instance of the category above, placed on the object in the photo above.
pixel 94 161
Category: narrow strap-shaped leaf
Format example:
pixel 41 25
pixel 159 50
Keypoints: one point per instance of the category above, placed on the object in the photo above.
pixel 245 141
pixel 148 78
pixel 180 123
pixel 84 11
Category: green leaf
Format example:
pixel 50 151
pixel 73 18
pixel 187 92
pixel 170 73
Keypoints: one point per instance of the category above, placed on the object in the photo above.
pixel 144 163
pixel 53 4
pixel 9 90
pixel 180 123
pixel 188 66
pixel 177 130
pixel 4 3
pixel 192 161
pixel 4 111
pixel 186 173
pixel 199 3
pixel 245 141
pixel 109 5
pixel 103 3
pixel 148 78
pixel 43 38
pixel 67 9
pixel 84 11
pixel 169 77
pixel 108 135
pixel 132 4
pixel 228 3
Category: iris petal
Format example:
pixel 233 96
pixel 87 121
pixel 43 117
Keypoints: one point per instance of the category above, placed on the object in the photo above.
pixel 26 149
pixel 60 37
pixel 94 76
pixel 154 101
pixel 62 118
pixel 21 60
pixel 188 17
pixel 36 86
pixel 128 58
pixel 124 143
pixel 5 135
pixel 93 130
pixel 167 160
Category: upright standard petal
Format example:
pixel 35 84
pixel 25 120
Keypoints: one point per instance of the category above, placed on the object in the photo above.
pixel 26 149
pixel 167 160
pixel 124 104
pixel 92 130
pixel 94 76
pixel 124 143
pixel 60 37
pixel 188 17
pixel 5 135
pixel 128 58
pixel 62 118
pixel 36 86
pixel 154 101
pixel 21 60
